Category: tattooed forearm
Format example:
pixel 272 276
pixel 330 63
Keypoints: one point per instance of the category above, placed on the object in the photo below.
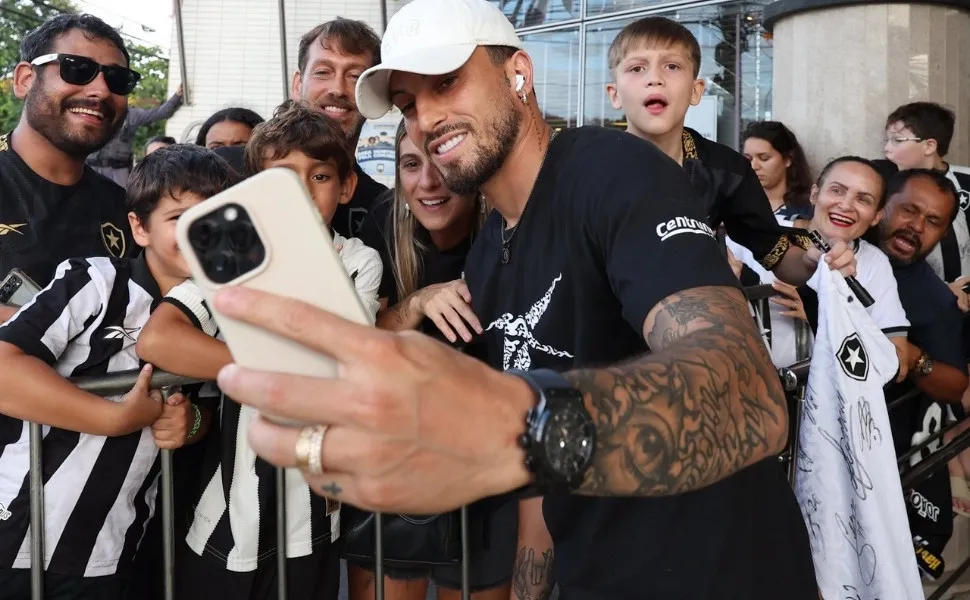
pixel 705 404
pixel 532 575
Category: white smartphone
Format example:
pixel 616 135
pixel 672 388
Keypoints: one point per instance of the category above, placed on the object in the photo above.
pixel 266 234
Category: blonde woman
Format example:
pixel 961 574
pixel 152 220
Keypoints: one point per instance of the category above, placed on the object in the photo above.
pixel 423 233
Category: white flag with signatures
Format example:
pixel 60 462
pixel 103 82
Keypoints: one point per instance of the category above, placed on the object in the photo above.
pixel 847 482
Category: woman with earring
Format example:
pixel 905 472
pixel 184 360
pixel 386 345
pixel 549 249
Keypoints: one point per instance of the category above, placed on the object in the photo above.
pixel 423 233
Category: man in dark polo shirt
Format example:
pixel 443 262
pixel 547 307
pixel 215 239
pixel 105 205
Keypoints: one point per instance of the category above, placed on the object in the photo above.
pixel 74 80
pixel 331 58
pixel 921 207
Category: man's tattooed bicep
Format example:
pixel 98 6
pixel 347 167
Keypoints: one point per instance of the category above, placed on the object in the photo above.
pixel 706 403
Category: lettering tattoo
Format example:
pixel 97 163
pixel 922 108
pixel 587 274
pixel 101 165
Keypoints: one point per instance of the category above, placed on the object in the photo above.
pixel 531 576
pixel 705 404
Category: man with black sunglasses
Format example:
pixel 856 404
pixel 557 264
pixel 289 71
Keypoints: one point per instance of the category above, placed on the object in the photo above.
pixel 74 80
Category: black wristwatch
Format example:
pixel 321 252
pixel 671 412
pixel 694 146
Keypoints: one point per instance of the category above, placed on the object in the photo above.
pixel 560 434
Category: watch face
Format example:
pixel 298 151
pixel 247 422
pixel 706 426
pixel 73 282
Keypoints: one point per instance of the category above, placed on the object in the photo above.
pixel 568 442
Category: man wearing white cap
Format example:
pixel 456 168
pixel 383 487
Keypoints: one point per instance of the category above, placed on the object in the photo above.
pixel 628 383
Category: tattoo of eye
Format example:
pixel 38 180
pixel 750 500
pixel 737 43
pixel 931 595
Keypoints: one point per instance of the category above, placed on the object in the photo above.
pixel 706 404
pixel 532 577
pixel 332 489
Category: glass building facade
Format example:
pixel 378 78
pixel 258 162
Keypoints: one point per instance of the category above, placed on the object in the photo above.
pixel 569 40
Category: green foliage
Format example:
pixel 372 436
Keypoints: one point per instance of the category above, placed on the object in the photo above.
pixel 20 16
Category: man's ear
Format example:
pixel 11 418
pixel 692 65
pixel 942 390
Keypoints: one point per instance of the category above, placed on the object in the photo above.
pixel 697 92
pixel 930 147
pixel 296 86
pixel 24 78
pixel 347 187
pixel 138 230
pixel 614 95
pixel 520 64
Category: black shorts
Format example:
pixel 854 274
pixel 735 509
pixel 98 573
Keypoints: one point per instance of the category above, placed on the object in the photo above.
pixel 15 585
pixel 491 568
pixel 314 577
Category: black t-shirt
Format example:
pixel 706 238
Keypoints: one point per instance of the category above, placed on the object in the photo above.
pixel 43 223
pixel 350 217
pixel 730 193
pixel 610 229
pixel 935 326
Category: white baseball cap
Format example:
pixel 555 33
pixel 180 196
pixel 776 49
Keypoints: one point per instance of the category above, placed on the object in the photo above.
pixel 431 37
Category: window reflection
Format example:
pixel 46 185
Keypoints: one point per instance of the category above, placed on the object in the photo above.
pixel 555 58
pixel 529 13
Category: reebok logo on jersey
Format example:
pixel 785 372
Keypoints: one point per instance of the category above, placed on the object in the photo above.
pixel 11 228
pixel 117 332
pixel 681 225
pixel 4 513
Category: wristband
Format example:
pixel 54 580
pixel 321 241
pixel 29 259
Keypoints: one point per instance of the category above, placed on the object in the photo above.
pixel 197 424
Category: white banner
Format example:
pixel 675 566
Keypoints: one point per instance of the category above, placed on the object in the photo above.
pixel 847 482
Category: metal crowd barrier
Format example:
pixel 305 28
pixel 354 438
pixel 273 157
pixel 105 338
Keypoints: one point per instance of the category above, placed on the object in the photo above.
pixel 122 382
pixel 794 380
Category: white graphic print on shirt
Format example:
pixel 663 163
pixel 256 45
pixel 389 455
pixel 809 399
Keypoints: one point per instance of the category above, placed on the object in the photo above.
pixel 519 333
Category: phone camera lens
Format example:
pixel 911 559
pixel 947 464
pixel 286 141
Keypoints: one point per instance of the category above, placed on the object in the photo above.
pixel 221 266
pixel 205 234
pixel 242 237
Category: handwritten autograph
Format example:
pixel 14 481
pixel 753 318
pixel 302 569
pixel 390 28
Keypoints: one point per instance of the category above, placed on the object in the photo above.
pixel 847 447
pixel 865 553
pixel 868 431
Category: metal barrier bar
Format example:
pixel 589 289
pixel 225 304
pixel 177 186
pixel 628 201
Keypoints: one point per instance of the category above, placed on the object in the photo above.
pixel 465 552
pixel 379 556
pixel 906 396
pixel 168 519
pixel 38 559
pixel 281 592
pixel 950 581
pixel 760 292
pixel 928 465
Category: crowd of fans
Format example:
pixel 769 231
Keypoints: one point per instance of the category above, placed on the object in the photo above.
pixel 117 295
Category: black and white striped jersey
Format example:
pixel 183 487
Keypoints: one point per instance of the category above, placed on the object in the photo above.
pixel 235 517
pixel 99 492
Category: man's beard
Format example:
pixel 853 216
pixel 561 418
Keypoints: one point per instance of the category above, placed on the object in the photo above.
pixel 49 118
pixel 468 179
pixel 918 252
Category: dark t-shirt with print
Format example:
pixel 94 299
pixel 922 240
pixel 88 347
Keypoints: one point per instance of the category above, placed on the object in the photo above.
pixel 612 228
pixel 350 218
pixel 43 223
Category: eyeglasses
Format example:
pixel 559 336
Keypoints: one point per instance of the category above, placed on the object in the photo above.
pixel 81 70
pixel 895 141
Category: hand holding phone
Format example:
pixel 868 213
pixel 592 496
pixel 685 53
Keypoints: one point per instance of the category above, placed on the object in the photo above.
pixel 266 234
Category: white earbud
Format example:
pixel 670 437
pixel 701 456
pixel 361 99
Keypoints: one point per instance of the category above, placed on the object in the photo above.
pixel 519 82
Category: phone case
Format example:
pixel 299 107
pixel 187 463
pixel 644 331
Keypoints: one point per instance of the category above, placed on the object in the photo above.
pixel 301 262
pixel 17 289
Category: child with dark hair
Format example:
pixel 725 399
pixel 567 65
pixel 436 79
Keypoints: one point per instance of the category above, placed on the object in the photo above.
pixel 228 127
pixel 230 549
pixel 100 454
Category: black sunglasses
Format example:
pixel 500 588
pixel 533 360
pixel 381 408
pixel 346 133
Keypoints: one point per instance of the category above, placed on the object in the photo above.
pixel 81 70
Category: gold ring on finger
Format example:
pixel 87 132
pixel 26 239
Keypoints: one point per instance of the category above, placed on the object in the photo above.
pixel 302 450
pixel 315 463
